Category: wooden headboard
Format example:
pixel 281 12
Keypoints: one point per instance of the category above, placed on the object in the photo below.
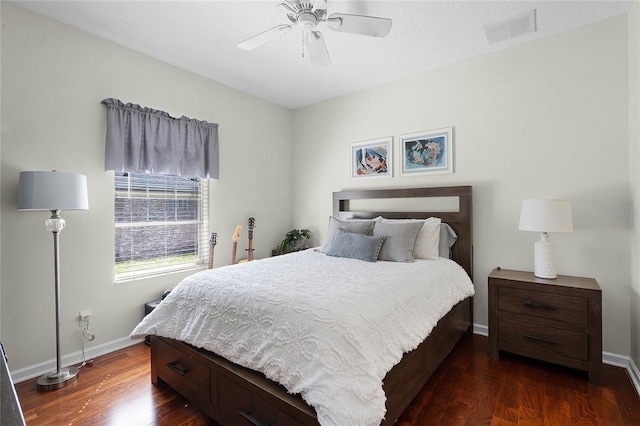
pixel 461 221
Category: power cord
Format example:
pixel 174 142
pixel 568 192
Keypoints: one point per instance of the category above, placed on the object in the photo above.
pixel 87 337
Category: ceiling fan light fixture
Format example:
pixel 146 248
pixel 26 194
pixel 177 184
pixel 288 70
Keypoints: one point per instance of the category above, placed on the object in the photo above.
pixel 307 20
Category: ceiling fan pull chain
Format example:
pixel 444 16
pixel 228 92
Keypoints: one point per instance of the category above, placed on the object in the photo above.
pixel 302 44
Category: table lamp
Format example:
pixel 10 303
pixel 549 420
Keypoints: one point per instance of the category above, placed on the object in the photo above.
pixel 545 216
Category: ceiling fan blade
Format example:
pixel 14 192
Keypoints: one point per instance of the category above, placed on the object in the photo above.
pixel 264 37
pixel 359 24
pixel 288 8
pixel 317 48
pixel 319 4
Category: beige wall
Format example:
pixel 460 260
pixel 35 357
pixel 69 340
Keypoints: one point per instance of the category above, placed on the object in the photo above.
pixel 53 79
pixel 634 178
pixel 545 119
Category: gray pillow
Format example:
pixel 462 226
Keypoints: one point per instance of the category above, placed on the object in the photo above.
pixel 447 238
pixel 364 227
pixel 399 240
pixel 355 246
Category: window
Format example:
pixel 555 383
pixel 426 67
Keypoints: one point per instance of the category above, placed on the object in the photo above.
pixel 161 224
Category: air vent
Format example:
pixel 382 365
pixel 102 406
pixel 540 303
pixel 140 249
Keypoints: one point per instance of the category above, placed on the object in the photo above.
pixel 516 26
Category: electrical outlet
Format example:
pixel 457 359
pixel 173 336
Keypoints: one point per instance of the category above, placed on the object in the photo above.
pixel 83 316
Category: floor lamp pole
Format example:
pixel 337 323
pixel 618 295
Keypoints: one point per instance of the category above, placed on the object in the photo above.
pixel 62 376
pixel 56 267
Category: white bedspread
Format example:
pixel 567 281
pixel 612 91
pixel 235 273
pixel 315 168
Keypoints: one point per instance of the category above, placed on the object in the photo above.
pixel 327 328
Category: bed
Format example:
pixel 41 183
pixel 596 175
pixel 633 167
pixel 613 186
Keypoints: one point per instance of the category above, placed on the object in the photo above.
pixel 232 394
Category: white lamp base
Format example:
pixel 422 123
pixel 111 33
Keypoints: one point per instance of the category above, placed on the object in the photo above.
pixel 545 258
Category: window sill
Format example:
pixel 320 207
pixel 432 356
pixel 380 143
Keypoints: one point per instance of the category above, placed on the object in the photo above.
pixel 158 272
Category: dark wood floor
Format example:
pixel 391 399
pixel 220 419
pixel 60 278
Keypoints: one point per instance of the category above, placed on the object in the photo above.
pixel 468 389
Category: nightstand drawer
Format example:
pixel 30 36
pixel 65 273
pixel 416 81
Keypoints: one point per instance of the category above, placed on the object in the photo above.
pixel 527 336
pixel 539 304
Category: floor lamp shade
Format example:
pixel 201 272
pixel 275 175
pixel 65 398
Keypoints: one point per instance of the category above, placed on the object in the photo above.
pixel 54 191
pixel 545 216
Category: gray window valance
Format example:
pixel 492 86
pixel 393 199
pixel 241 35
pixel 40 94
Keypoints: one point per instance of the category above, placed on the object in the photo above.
pixel 142 139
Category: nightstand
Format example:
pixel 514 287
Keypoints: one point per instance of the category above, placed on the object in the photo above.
pixel 148 308
pixel 558 321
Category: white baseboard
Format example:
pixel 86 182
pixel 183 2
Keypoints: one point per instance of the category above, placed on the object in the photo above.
pixel 480 329
pixel 615 360
pixel 626 363
pixel 37 370
pixel 634 373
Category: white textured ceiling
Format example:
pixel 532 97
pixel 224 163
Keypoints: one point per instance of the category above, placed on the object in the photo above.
pixel 201 37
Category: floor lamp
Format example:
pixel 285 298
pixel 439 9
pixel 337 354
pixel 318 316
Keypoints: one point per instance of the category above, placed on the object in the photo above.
pixel 54 191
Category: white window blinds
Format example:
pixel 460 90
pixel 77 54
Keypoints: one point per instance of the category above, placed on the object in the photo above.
pixel 161 224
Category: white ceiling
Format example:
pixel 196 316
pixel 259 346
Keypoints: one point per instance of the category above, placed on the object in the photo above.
pixel 201 37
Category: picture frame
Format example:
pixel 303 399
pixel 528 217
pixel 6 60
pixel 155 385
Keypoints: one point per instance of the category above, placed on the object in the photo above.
pixel 372 158
pixel 428 152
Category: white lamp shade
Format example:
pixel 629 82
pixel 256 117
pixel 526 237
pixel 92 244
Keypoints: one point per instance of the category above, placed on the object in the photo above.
pixel 546 216
pixel 52 191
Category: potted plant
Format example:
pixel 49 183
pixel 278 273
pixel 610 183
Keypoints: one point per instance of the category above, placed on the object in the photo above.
pixel 292 239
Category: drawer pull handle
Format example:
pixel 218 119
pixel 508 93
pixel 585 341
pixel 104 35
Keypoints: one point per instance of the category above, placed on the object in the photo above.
pixel 541 339
pixel 539 304
pixel 250 419
pixel 174 366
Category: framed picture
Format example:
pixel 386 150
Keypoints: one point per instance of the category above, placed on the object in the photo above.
pixel 429 152
pixel 372 158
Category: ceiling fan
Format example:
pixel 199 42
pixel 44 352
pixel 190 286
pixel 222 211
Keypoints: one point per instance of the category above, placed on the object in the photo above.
pixel 308 15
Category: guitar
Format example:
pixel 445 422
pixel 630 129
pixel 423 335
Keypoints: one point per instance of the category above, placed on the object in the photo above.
pixel 249 258
pixel 252 224
pixel 212 245
pixel 235 238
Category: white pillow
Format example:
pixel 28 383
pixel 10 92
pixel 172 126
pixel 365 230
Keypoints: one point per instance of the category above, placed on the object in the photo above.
pixel 428 239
